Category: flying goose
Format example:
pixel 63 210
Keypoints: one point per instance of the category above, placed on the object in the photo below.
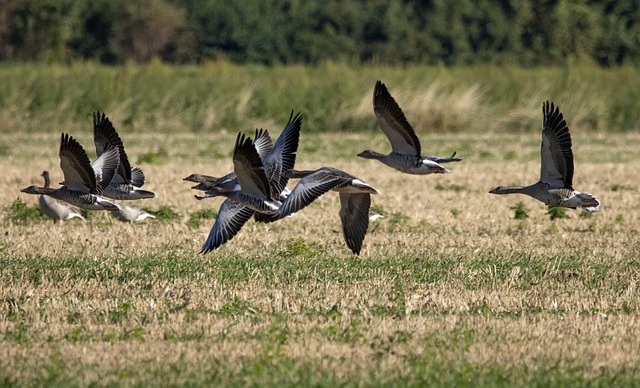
pixel 251 194
pixel 127 181
pixel 204 182
pixel 267 173
pixel 128 213
pixel 263 145
pixel 405 155
pixel 55 208
pixel 83 181
pixel 355 200
pixel 555 187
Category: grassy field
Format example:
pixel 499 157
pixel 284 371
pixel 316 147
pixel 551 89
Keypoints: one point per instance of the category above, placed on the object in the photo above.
pixel 450 288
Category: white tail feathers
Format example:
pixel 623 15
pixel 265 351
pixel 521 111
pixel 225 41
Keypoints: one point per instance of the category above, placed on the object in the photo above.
pixel 588 201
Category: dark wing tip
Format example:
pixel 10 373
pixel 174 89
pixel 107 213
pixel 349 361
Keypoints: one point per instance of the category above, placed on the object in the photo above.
pixel 99 119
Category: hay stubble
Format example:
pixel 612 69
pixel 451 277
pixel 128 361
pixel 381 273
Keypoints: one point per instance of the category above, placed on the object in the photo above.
pixel 470 289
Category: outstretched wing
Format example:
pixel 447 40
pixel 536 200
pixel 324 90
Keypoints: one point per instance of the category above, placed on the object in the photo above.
pixel 556 155
pixel 248 167
pixel 75 165
pixel 308 189
pixel 391 120
pixel 282 157
pixel 354 214
pixel 105 137
pixel 231 217
pixel 262 142
pixel 105 168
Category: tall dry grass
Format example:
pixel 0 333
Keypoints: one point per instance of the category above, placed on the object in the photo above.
pixel 335 97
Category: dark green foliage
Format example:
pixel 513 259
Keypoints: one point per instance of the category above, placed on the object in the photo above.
pixel 557 213
pixel 21 213
pixel 299 248
pixel 152 157
pixel 287 31
pixel 521 211
pixel 165 213
pixel 196 218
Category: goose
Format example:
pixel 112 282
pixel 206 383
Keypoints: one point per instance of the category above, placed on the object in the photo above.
pixel 263 144
pixel 374 216
pixel 405 155
pixel 355 200
pixel 252 194
pixel 127 181
pixel 55 208
pixel 555 187
pixel 204 182
pixel 267 173
pixel 128 213
pixel 84 181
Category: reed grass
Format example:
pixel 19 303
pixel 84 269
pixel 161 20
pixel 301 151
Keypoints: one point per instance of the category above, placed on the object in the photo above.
pixel 219 96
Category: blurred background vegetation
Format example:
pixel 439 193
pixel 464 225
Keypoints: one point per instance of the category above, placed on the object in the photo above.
pixel 526 33
pixel 210 65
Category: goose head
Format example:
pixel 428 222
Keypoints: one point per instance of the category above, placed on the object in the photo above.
pixel 368 154
pixel 36 190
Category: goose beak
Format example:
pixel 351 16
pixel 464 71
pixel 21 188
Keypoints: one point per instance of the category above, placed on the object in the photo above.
pixel 493 191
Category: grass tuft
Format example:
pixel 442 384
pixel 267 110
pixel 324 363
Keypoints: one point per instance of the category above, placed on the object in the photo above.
pixel 196 218
pixel 520 211
pixel 21 213
pixel 556 213
pixel 164 213
pixel 153 157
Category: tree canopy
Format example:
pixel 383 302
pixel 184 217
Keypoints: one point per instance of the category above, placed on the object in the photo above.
pixel 527 33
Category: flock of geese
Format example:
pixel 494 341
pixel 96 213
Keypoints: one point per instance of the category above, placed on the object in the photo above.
pixel 257 186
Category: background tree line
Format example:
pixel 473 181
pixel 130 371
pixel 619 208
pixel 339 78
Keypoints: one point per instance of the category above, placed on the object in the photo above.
pixel 528 33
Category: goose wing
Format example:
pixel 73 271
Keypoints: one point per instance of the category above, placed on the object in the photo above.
pixel 556 155
pixel 354 214
pixel 105 168
pixel 309 188
pixel 248 167
pixel 137 177
pixel 74 162
pixel 105 137
pixel 391 120
pixel 231 217
pixel 262 142
pixel 282 157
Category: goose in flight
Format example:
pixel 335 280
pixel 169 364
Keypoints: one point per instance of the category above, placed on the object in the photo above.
pixel 127 181
pixel 83 181
pixel 555 187
pixel 128 213
pixel 263 145
pixel 251 194
pixel 405 153
pixel 263 174
pixel 55 208
pixel 355 200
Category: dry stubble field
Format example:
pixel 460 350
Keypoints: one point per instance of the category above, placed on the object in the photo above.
pixel 449 289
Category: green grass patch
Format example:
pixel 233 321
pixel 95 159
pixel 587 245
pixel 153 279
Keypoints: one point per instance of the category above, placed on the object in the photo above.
pixel 198 217
pixel 164 213
pixel 19 212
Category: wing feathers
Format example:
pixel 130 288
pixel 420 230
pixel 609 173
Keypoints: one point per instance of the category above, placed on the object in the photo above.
pixel 231 217
pixel 556 153
pixel 248 167
pixel 354 214
pixel 75 165
pixel 393 123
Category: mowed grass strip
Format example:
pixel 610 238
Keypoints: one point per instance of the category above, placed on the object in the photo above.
pixel 294 318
